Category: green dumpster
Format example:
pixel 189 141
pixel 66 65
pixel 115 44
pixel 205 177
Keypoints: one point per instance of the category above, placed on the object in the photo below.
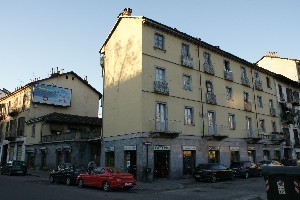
pixel 282 182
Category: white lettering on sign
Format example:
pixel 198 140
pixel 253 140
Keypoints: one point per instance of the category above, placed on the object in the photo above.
pixel 213 148
pixel 234 148
pixel 251 148
pixel 162 148
pixel 191 148
pixel 130 148
pixel 109 149
pixel 280 186
pixel 267 149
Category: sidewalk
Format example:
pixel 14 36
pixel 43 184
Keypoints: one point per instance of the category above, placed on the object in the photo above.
pixel 156 185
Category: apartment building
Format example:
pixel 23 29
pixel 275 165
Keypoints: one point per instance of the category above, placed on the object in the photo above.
pixel 172 101
pixel 287 67
pixel 50 121
pixel 3 92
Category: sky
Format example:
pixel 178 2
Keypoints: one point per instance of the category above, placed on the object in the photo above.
pixel 38 35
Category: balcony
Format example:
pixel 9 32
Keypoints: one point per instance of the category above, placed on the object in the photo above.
pixel 245 81
pixel 187 61
pixel 71 136
pixel 287 117
pixel 247 106
pixel 276 136
pixel 272 112
pixel 209 69
pixel 258 85
pixel 211 98
pixel 228 75
pixel 13 112
pixel 11 135
pixel 161 87
pixel 166 129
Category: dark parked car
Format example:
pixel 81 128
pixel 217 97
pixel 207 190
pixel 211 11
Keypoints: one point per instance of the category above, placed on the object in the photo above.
pixel 290 162
pixel 67 173
pixel 212 172
pixel 14 167
pixel 245 169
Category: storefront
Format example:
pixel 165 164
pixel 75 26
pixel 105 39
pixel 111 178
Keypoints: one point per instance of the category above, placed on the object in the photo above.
pixel 251 154
pixel 213 154
pixel 110 156
pixel 266 153
pixel 130 159
pixel 234 154
pixel 30 157
pixel 189 159
pixel 43 157
pixel 59 156
pixel 161 161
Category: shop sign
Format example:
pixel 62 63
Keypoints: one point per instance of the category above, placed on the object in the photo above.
pixel 130 148
pixel 162 148
pixel 234 148
pixel 267 149
pixel 188 148
pixel 109 149
pixel 276 149
pixel 251 148
pixel 213 148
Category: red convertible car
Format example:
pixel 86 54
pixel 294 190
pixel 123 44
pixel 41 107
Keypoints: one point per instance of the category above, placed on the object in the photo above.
pixel 107 178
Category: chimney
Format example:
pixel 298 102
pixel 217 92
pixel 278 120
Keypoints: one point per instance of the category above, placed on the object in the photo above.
pixel 126 12
pixel 272 54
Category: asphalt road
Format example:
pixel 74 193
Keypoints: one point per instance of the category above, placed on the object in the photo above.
pixel 37 188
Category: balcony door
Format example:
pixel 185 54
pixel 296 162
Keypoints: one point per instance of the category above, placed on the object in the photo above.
pixel 249 127
pixel 211 122
pixel 161 117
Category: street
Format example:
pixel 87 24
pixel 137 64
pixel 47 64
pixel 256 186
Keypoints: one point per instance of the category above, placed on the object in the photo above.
pixel 39 188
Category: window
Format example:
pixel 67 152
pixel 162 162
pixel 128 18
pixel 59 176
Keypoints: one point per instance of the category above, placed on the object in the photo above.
pixel 256 76
pixel 161 116
pixel 262 125
pixel 160 74
pixel 228 93
pixel 268 82
pixel 246 96
pixel 159 41
pixel 209 87
pixel 187 82
pixel 231 121
pixel 249 126
pixel 185 50
pixel 259 101
pixel 33 131
pixel 243 72
pixel 274 127
pixel 188 116
pixel 207 58
pixel 211 118
pixel 227 65
pixel 271 104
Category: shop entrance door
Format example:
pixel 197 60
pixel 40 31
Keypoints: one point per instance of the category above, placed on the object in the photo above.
pixel 4 154
pixel 188 162
pixel 161 164
pixel 130 162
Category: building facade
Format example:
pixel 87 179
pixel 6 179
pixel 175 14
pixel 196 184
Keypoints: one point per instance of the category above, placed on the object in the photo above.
pixel 48 121
pixel 172 101
pixel 287 67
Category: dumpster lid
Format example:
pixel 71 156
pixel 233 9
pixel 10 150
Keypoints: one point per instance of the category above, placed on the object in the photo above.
pixel 278 170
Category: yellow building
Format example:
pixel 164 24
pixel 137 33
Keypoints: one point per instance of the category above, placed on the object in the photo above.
pixel 43 121
pixel 287 67
pixel 172 101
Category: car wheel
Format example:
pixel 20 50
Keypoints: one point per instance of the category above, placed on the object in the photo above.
pixel 106 186
pixel 68 181
pixel 51 179
pixel 246 175
pixel 9 173
pixel 2 173
pixel 80 183
pixel 213 178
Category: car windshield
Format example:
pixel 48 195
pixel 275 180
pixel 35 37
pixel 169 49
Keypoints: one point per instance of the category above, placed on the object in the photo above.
pixel 18 163
pixel 113 170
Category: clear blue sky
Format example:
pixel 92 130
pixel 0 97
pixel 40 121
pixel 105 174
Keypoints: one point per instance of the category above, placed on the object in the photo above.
pixel 37 35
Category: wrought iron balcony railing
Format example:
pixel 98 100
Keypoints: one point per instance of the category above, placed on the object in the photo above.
pixel 228 75
pixel 272 112
pixel 209 68
pixel 258 85
pixel 161 87
pixel 71 136
pixel 211 98
pixel 247 106
pixel 245 81
pixel 187 61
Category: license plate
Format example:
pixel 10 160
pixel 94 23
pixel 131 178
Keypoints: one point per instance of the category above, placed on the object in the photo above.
pixel 128 184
